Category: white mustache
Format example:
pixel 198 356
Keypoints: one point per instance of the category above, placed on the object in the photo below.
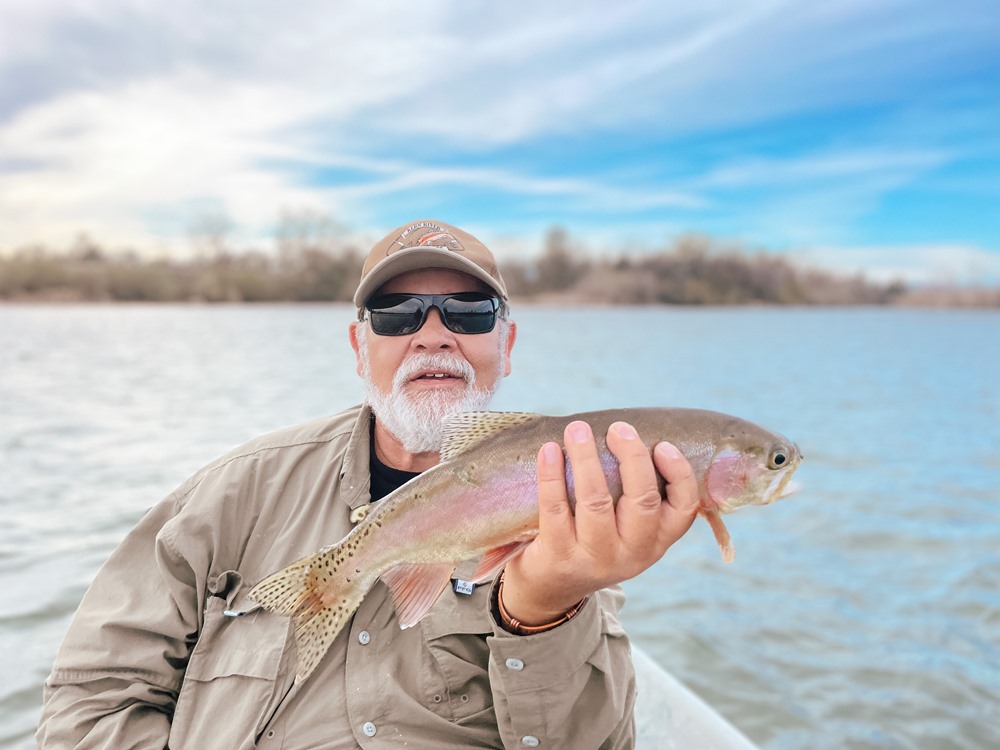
pixel 448 363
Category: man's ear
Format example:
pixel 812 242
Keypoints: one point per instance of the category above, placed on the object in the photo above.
pixel 352 333
pixel 511 336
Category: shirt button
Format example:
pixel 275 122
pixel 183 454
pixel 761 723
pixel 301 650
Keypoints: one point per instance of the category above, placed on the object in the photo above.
pixel 364 638
pixel 516 664
pixel 529 740
pixel 369 729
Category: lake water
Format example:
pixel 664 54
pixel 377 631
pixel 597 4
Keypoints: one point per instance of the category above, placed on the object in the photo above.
pixel 863 613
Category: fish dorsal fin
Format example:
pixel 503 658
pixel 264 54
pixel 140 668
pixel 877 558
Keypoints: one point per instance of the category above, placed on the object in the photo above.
pixel 466 430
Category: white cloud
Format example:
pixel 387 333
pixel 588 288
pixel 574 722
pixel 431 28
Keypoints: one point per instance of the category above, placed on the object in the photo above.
pixel 916 264
pixel 151 114
pixel 113 163
pixel 105 162
pixel 496 72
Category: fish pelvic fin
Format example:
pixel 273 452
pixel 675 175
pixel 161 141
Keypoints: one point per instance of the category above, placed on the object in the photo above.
pixel 466 430
pixel 722 537
pixel 494 559
pixel 319 609
pixel 415 587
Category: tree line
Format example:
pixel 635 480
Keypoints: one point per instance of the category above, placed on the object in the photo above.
pixel 309 267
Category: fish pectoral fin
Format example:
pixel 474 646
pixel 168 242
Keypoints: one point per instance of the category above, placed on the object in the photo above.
pixel 494 559
pixel 415 588
pixel 722 537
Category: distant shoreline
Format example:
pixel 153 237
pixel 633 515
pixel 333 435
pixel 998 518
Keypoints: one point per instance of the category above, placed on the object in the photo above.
pixel 694 272
pixel 949 299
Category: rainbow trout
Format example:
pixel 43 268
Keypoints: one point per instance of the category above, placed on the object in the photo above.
pixel 482 501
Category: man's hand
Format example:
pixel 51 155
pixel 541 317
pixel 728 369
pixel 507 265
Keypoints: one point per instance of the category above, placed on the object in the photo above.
pixel 576 555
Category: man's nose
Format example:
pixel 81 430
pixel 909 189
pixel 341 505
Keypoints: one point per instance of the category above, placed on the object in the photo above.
pixel 433 334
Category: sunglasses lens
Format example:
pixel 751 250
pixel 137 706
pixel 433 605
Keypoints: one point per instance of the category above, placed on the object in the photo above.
pixel 403 314
pixel 470 313
pixel 396 314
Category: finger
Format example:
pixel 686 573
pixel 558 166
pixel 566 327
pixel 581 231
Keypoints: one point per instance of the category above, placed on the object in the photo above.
pixel 638 510
pixel 555 519
pixel 535 589
pixel 595 510
pixel 681 506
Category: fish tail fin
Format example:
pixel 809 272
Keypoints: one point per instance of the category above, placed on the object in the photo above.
pixel 318 611
pixel 286 591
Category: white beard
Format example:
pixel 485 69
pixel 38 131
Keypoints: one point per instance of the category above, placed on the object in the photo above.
pixel 417 420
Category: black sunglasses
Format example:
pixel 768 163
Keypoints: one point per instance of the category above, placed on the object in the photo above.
pixel 402 314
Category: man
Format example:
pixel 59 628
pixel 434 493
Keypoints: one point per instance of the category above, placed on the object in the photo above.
pixel 167 648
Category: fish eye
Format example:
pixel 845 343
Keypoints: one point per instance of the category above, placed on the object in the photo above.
pixel 777 459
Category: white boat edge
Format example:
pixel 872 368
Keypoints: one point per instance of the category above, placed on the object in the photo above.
pixel 670 716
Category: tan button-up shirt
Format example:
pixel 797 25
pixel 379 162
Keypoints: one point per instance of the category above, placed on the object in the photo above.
pixel 166 648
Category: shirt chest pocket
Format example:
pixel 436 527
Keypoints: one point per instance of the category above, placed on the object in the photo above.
pixel 231 686
pixel 456 683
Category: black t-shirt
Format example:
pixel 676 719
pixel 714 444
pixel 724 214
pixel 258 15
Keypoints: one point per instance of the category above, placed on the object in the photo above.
pixel 385 479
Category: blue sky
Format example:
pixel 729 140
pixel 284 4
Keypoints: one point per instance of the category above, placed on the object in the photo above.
pixel 856 135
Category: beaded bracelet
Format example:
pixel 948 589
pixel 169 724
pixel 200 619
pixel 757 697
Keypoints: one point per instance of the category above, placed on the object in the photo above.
pixel 515 626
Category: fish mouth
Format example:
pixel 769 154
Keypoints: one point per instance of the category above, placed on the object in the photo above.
pixel 781 487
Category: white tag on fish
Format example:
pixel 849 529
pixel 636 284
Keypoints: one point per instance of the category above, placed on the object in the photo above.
pixel 463 587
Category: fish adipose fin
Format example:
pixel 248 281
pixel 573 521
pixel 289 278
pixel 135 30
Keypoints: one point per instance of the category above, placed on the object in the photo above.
pixel 415 588
pixel 318 613
pixel 494 559
pixel 466 430
pixel 721 535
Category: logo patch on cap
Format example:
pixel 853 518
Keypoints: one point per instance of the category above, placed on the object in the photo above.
pixel 425 234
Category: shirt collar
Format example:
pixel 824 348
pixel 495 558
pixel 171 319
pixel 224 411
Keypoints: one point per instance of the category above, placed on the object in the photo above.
pixel 355 474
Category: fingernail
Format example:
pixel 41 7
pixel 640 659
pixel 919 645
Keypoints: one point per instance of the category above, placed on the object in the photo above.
pixel 579 432
pixel 668 450
pixel 624 430
pixel 550 453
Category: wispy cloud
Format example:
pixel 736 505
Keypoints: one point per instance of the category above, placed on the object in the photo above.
pixel 890 164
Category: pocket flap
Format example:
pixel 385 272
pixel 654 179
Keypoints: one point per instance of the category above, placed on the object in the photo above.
pixel 240 638
pixel 459 613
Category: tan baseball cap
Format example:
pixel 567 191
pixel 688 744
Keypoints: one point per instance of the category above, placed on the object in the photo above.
pixel 427 244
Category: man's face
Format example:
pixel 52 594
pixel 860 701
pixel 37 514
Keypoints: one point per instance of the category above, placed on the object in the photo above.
pixel 423 377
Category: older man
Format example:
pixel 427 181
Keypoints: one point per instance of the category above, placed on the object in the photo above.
pixel 167 648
